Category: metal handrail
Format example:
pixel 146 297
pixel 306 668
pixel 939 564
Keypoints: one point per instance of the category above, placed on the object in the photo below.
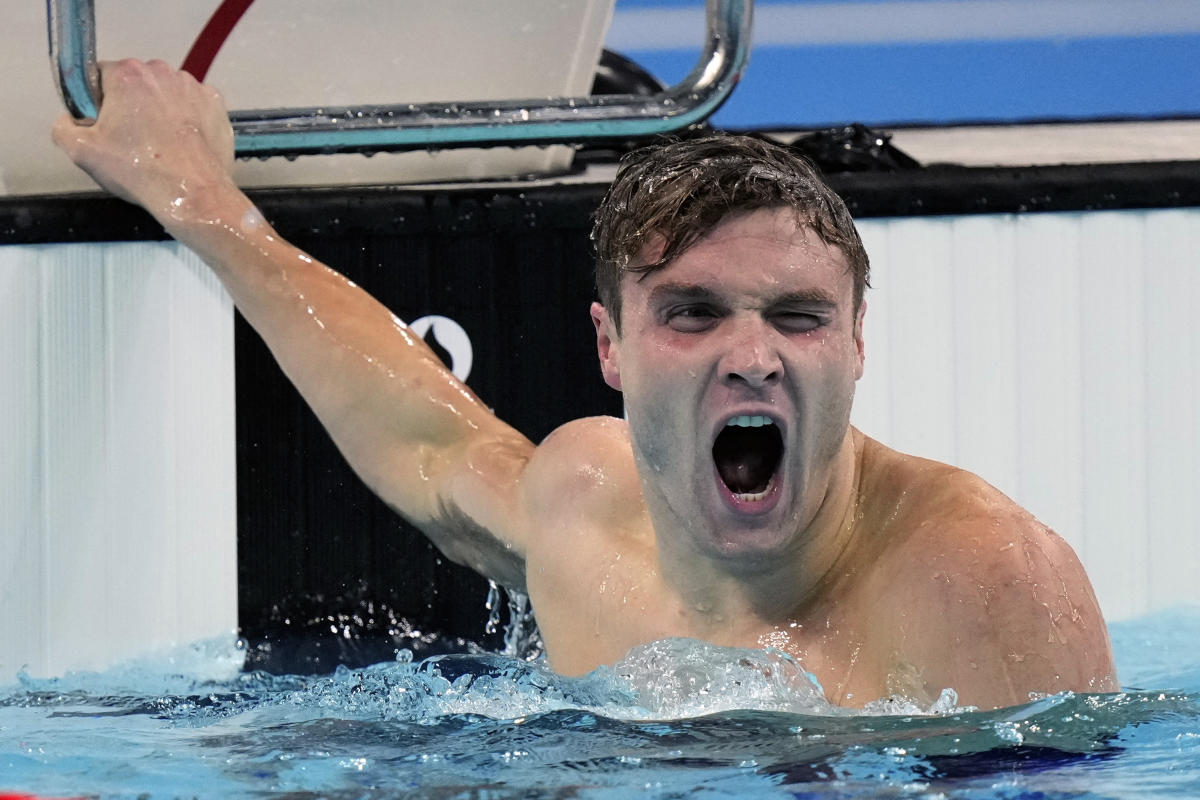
pixel 297 131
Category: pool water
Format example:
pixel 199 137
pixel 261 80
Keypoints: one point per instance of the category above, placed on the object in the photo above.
pixel 674 719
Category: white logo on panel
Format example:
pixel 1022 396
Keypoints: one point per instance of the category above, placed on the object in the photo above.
pixel 453 339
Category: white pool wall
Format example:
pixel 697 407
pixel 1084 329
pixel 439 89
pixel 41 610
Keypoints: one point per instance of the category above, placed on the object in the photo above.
pixel 118 527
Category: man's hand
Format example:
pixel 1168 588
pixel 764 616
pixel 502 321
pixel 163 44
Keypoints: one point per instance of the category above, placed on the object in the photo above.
pixel 162 140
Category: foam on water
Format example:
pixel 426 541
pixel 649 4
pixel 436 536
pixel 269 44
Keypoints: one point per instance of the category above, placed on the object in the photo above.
pixel 664 680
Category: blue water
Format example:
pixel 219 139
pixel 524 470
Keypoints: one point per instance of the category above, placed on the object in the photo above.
pixel 674 719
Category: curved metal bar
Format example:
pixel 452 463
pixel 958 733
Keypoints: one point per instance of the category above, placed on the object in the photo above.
pixel 72 28
pixel 467 124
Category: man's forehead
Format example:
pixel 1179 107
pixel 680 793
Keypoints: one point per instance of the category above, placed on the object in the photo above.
pixel 782 224
pixel 815 296
pixel 808 262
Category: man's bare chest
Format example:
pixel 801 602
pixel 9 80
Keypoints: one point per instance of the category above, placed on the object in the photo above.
pixel 614 605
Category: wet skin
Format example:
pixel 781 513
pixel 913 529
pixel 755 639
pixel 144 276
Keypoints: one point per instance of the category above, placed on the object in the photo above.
pixel 884 573
pixel 757 320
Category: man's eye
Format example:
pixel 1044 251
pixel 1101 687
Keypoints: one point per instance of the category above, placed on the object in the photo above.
pixel 796 322
pixel 692 319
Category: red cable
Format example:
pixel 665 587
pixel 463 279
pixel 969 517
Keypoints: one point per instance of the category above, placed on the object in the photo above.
pixel 209 42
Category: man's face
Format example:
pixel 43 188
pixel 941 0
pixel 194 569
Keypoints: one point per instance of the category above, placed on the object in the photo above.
pixel 738 363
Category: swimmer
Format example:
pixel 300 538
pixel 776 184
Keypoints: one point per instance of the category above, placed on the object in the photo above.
pixel 735 504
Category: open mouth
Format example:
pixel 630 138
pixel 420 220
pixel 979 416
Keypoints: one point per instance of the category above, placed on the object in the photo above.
pixel 747 453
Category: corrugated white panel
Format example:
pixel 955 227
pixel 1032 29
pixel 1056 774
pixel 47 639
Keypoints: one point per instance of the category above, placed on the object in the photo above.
pixel 118 501
pixel 1113 334
pixel 1049 341
pixel 985 321
pixel 1172 295
pixel 1054 355
pixel 920 311
pixel 20 456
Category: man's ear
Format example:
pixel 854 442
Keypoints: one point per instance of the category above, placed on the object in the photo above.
pixel 607 346
pixel 858 339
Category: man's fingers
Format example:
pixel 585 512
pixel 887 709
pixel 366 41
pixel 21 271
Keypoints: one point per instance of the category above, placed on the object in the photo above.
pixel 157 130
pixel 69 135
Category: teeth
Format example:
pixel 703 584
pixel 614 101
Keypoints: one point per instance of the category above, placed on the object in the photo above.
pixel 754 497
pixel 745 421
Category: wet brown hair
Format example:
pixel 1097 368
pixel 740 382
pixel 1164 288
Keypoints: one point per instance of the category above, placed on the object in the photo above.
pixel 683 189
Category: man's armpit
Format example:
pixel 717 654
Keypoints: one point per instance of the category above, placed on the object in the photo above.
pixel 472 545
pixel 477 517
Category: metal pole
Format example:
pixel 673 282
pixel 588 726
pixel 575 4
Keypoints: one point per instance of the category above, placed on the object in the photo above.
pixel 72 25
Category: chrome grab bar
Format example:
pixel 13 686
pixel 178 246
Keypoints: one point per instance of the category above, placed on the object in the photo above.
pixel 72 25
pixel 368 129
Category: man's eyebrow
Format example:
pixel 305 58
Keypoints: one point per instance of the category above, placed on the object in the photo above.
pixel 681 291
pixel 812 298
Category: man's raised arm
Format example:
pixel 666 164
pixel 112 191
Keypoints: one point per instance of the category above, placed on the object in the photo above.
pixel 416 436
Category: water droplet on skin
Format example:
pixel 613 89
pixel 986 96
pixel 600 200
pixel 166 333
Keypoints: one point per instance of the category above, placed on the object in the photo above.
pixel 252 220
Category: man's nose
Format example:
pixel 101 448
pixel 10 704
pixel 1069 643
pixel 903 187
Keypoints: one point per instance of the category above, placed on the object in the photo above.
pixel 752 358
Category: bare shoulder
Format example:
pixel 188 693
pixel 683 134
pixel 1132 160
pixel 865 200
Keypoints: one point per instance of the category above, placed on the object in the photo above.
pixel 585 468
pixel 993 603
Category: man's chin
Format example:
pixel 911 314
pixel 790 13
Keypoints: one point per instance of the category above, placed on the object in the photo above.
pixel 751 552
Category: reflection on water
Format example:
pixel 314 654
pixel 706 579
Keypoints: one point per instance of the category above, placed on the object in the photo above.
pixel 672 719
